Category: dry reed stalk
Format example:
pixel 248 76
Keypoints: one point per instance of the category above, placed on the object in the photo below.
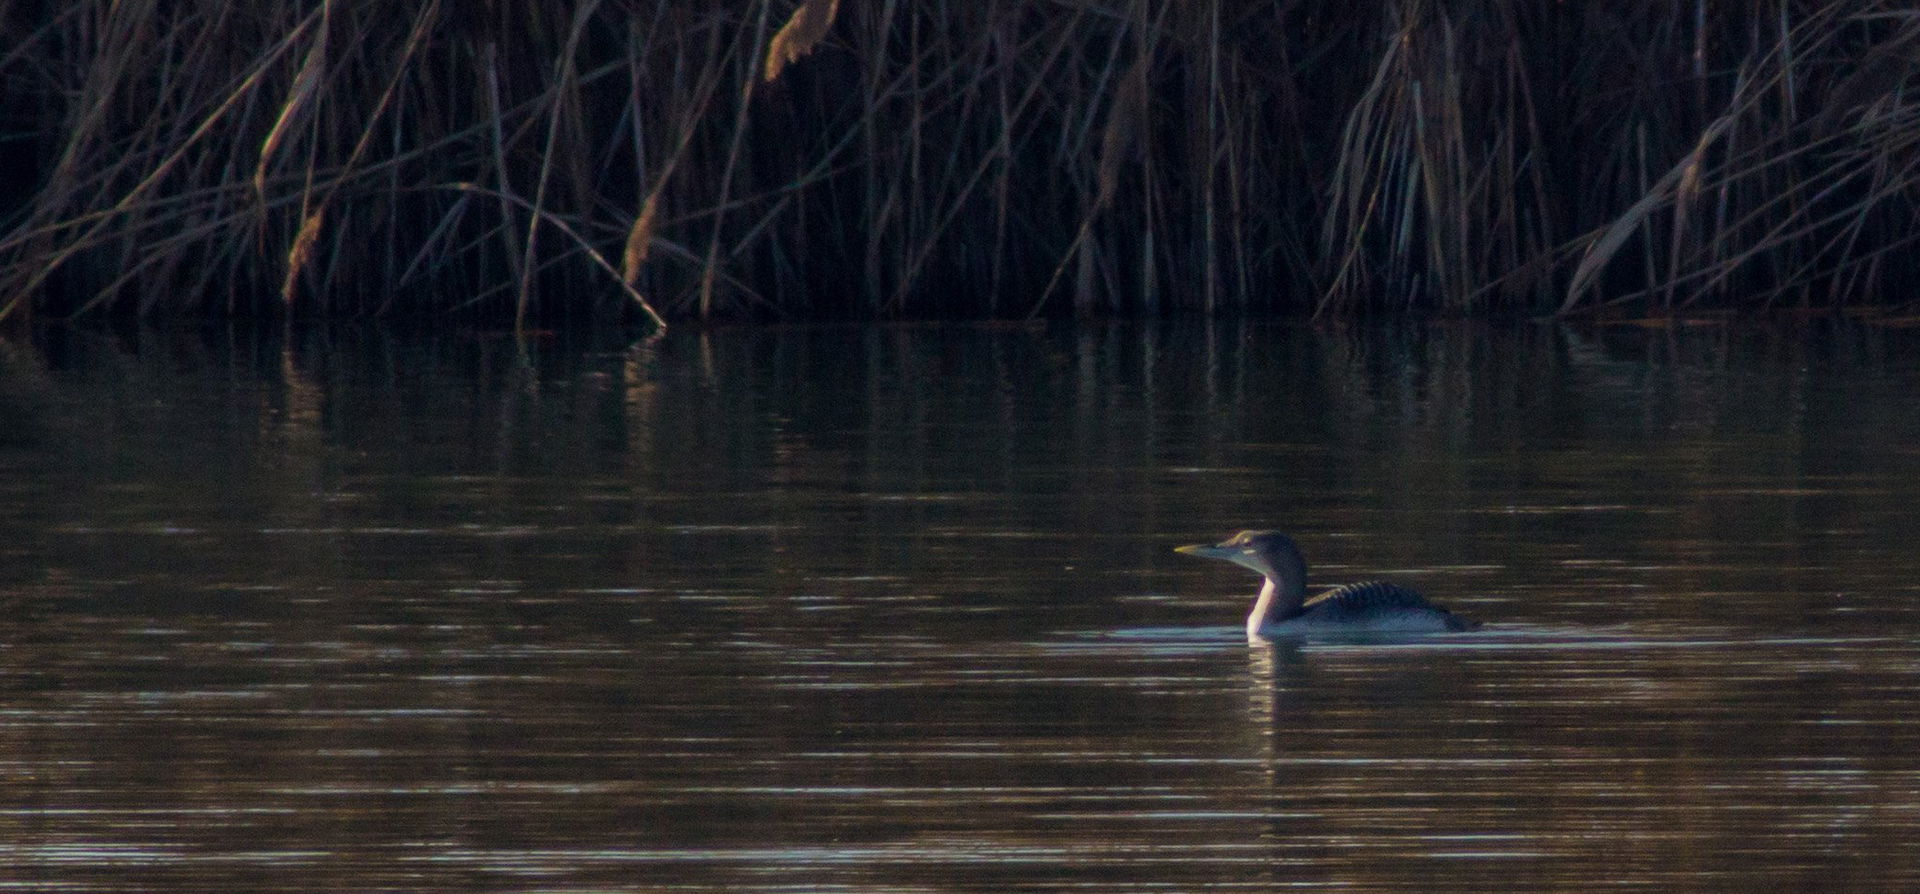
pixel 306 85
pixel 564 75
pixel 710 270
pixel 496 129
pixel 1119 139
pixel 582 245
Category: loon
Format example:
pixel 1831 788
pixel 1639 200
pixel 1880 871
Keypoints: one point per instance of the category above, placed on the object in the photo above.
pixel 1283 608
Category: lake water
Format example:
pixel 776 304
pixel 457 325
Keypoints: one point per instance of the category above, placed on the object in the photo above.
pixel 896 609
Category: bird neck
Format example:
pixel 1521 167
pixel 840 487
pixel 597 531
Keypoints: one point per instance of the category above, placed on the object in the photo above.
pixel 1278 601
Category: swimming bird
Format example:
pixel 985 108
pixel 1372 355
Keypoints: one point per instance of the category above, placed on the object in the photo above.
pixel 1283 608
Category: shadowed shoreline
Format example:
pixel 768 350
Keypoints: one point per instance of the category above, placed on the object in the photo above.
pixel 560 162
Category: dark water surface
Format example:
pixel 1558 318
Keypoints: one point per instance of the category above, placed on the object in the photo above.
pixel 896 609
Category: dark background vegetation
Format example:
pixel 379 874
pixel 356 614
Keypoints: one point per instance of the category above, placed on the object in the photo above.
pixel 876 158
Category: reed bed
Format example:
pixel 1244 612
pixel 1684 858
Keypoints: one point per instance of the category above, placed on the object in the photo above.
pixel 650 159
